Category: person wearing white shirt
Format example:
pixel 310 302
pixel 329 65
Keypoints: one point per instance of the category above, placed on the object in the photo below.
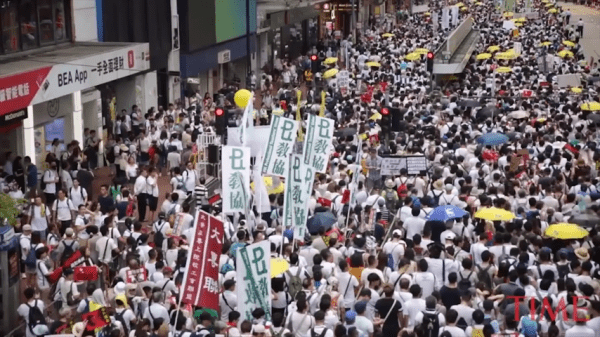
pixel 580 329
pixel 68 289
pixel 424 278
pixel 190 177
pixel 139 190
pixel 63 211
pixel 451 319
pixel 478 248
pixel 227 299
pixel 39 215
pixel 144 146
pixel 414 306
pixel 414 224
pixel 152 191
pixel 347 284
pixel 156 310
pixel 78 194
pixel 395 247
pixel 23 309
pixel 105 246
pixel 50 178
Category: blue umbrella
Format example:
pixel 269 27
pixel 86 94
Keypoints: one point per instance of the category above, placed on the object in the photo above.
pixel 445 213
pixel 320 219
pixel 493 139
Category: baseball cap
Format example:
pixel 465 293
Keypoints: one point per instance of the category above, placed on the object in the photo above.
pixel 350 315
pixel 69 232
pixel 259 328
pixel 26 227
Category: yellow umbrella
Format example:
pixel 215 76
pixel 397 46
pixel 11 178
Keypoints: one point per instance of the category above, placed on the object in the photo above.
pixel 494 214
pixel 568 43
pixel 565 53
pixel 483 56
pixel 330 73
pixel 427 14
pixel 549 5
pixel 376 116
pixel 508 14
pixel 460 4
pixel 566 231
pixel 479 3
pixel 268 181
pixel 421 51
pixel 576 90
pixel 590 106
pixel 493 48
pixel 521 19
pixel 552 11
pixel 506 56
pixel 387 35
pixel 373 64
pixel 330 60
pixel 412 56
pixel 544 44
pixel 464 9
pixel 518 24
pixel 503 70
pixel 544 1
pixel 278 266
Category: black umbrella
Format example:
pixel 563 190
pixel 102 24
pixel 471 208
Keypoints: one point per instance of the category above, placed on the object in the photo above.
pixel 345 132
pixel 488 112
pixel 585 219
pixel 594 118
pixel 469 103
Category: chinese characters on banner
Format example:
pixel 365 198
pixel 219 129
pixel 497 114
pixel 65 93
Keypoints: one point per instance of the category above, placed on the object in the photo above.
pixel 298 187
pixel 200 287
pixel 96 319
pixel 281 142
pixel 136 275
pixel 254 279
pixel 236 178
pixel 317 143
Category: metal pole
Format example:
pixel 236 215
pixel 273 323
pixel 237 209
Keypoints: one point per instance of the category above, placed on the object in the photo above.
pixel 248 57
pixel 353 23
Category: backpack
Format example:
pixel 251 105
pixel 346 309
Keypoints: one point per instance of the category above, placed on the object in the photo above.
pixel 80 192
pixel 477 332
pixel 390 258
pixel 295 283
pixel 276 334
pixel 31 259
pixel 119 317
pixel 42 182
pixel 36 317
pixel 563 270
pixel 334 209
pixel 115 191
pixel 314 334
pixel 462 323
pixel 172 213
pixel 159 237
pixel 465 282
pixel 211 333
pixel 390 199
pixel 402 189
pixel 435 200
pixel 357 259
pixel 68 251
pixel 430 324
pixel 180 184
pixel 484 276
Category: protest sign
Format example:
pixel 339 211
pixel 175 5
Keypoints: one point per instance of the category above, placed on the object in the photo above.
pixel 236 178
pixel 136 275
pixel 254 279
pixel 343 79
pixel 317 143
pixel 96 319
pixel 413 164
pixel 298 188
pixel 280 145
pixel 246 121
pixel 85 273
pixel 200 286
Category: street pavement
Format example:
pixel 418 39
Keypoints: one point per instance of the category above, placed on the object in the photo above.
pixel 591 28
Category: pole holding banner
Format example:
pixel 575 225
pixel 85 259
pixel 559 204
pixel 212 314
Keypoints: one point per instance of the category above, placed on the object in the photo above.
pixel 299 116
pixel 322 109
pixel 254 279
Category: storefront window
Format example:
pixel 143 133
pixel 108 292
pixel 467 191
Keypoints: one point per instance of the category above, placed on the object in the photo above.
pixel 59 20
pixel 10 26
pixel 28 21
pixel 46 21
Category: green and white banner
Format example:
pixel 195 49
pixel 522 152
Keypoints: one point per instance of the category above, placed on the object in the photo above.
pixel 236 178
pixel 317 142
pixel 298 187
pixel 254 279
pixel 281 142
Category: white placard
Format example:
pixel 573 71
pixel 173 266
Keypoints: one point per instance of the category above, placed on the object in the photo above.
pixel 298 187
pixel 277 151
pixel 236 178
pixel 317 142
pixel 254 279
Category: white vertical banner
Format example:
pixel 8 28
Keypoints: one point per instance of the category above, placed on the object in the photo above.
pixel 261 196
pixel 318 142
pixel 236 178
pixel 435 16
pixel 298 187
pixel 454 15
pixel 445 18
pixel 356 174
pixel 246 120
pixel 282 136
pixel 254 279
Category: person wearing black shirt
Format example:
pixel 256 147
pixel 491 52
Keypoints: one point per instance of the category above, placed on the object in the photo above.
pixel 450 293
pixel 105 200
pixel 390 312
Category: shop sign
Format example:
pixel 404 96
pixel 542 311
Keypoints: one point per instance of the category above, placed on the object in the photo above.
pixel 224 56
pixel 14 116
pixel 47 83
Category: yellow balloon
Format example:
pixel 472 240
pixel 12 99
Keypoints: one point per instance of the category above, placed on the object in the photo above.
pixel 241 98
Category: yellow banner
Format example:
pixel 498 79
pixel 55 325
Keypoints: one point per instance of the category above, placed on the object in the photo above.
pixel 299 116
pixel 322 111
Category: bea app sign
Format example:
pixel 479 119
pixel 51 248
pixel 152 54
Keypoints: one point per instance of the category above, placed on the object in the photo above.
pixel 70 77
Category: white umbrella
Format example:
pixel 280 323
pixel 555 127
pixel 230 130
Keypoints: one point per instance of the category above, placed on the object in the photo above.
pixel 519 114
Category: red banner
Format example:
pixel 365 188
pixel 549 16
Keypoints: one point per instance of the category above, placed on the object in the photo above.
pixel 85 273
pixel 17 91
pixel 201 287
pixel 136 275
pixel 96 319
pixel 75 260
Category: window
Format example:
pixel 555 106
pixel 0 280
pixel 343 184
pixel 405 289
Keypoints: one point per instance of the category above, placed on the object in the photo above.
pixel 10 26
pixel 59 20
pixel 46 21
pixel 28 21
